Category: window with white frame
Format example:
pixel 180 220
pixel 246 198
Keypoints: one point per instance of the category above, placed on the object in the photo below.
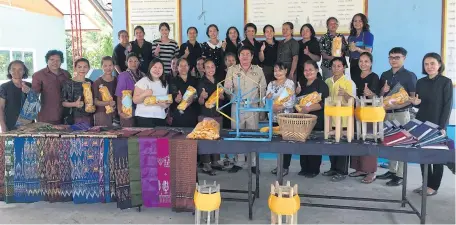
pixel 8 55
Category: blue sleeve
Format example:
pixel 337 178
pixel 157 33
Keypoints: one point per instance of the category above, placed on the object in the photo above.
pixel 368 40
pixel 411 86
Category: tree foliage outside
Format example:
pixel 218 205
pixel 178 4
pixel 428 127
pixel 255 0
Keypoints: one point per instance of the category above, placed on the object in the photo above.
pixel 95 45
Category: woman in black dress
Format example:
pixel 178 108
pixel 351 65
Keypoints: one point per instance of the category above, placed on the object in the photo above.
pixel 179 85
pixel 309 49
pixel 434 96
pixel 268 53
pixel 232 42
pixel 310 164
pixel 73 93
pixel 213 47
pixel 368 86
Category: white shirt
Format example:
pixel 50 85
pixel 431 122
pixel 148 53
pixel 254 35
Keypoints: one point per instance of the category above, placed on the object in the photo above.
pixel 151 111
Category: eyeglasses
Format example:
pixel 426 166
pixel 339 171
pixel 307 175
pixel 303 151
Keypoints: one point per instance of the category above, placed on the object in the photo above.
pixel 394 57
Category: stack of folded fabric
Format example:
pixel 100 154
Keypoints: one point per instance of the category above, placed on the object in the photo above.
pixel 415 134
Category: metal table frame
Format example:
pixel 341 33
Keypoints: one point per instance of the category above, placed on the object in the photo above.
pixel 403 201
pixel 251 194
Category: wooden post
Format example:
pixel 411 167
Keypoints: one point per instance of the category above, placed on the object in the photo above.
pixel 350 125
pixel 328 125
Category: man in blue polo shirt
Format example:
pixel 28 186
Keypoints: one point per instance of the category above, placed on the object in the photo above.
pixel 389 79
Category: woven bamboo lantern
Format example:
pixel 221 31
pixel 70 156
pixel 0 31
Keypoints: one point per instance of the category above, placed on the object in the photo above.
pixel 284 201
pixel 207 200
pixel 369 111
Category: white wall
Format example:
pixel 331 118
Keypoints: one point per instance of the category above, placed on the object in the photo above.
pixel 21 29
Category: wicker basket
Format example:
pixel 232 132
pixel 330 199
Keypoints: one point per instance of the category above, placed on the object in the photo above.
pixel 296 126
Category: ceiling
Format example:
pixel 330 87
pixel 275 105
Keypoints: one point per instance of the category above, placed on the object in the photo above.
pixel 90 10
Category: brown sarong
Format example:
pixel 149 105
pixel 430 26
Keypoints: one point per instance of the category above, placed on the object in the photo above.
pixel 183 173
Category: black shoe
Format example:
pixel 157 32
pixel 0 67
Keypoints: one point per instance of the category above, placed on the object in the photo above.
pixel 234 169
pixel 329 173
pixel 395 181
pixel 253 168
pixel 302 173
pixel 311 175
pixel 386 176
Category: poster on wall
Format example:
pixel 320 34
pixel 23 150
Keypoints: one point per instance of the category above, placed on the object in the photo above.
pixel 299 12
pixel 150 13
pixel 449 38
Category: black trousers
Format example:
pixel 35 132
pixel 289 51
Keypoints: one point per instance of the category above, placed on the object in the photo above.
pixel 355 71
pixel 435 174
pixel 309 163
pixel 150 122
pixel 339 164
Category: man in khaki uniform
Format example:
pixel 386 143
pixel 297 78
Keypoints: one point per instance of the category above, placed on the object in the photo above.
pixel 251 77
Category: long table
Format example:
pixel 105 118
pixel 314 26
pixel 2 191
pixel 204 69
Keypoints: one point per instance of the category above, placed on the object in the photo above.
pixel 316 145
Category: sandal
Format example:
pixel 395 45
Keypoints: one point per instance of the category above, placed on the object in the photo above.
pixel 329 173
pixel 369 179
pixel 418 190
pixel 357 174
pixel 274 171
pixel 338 177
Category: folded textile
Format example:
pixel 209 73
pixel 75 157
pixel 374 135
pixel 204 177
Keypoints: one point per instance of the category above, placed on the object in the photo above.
pixel 30 109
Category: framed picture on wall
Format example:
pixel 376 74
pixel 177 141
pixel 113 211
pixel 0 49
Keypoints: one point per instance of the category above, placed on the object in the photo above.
pixel 150 13
pixel 262 12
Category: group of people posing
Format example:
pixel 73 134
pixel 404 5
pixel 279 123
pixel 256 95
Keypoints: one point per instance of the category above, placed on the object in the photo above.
pixel 163 67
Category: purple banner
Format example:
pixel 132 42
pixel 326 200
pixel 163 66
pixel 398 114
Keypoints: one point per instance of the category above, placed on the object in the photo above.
pixel 149 171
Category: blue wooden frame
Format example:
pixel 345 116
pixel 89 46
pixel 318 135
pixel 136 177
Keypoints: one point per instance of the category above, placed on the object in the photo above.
pixel 244 105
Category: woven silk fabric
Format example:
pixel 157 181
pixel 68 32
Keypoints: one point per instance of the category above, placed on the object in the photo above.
pixel 164 172
pixel 2 168
pixel 57 183
pixel 112 174
pixel 149 171
pixel 27 185
pixel 9 170
pixel 183 173
pixel 85 161
pixel 105 173
pixel 134 172
pixel 29 110
pixel 120 156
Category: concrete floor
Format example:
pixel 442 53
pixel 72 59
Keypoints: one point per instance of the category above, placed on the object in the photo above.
pixel 441 208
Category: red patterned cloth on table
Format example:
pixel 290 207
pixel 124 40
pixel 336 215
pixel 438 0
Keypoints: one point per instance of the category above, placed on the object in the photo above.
pixel 58 186
pixel 183 173
pixel 2 168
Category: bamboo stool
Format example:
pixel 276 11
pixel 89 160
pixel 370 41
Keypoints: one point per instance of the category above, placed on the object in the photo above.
pixel 369 111
pixel 207 201
pixel 336 109
pixel 284 201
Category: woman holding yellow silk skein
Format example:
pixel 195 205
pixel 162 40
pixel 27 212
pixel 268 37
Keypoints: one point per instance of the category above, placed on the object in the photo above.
pixel 124 91
pixel 207 92
pixel 103 92
pixel 185 105
pixel 339 86
pixel 153 85
pixel 311 94
pixel 77 94
pixel 281 91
